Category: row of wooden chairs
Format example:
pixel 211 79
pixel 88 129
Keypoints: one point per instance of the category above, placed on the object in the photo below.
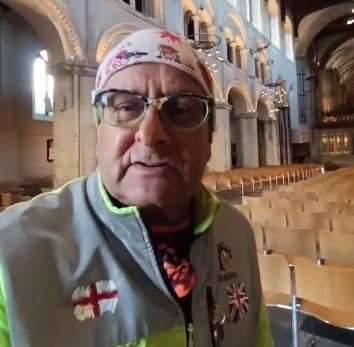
pixel 270 177
pixel 298 219
pixel 323 246
pixel 322 291
pixel 302 205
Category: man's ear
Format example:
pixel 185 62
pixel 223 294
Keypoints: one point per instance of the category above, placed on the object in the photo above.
pixel 98 114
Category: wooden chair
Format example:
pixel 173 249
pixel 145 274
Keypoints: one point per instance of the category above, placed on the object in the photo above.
pixel 321 207
pixel 336 248
pixel 291 242
pixel 245 210
pixel 264 215
pixel 326 292
pixel 275 278
pixel 286 204
pixel 342 223
pixel 259 237
pixel 256 201
pixel 303 220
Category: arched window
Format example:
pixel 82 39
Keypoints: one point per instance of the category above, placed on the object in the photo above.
pixel 43 88
pixel 257 14
pixel 229 51
pixel 274 30
pixel 189 25
pixel 289 45
pixel 146 7
pixel 248 10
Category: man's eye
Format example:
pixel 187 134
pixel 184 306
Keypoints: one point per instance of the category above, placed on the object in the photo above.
pixel 126 107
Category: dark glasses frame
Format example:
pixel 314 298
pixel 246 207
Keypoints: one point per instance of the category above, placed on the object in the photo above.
pixel 209 101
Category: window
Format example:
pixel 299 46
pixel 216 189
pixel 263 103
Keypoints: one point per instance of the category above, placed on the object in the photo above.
pixel 289 45
pixel 248 10
pixel 189 25
pixel 274 31
pixel 256 14
pixel 43 88
pixel 145 7
pixel 229 52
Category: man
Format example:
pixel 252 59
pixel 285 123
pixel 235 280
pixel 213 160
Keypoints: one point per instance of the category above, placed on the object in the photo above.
pixel 138 253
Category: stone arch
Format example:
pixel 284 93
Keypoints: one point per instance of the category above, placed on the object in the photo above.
pixel 56 15
pixel 235 23
pixel 112 36
pixel 312 24
pixel 244 90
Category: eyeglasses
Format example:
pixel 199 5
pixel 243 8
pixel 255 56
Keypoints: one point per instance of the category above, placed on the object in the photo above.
pixel 182 112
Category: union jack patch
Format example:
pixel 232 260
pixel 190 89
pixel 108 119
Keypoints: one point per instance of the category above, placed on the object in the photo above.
pixel 238 301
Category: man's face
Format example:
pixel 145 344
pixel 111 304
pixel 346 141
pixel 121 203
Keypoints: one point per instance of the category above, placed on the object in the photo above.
pixel 152 165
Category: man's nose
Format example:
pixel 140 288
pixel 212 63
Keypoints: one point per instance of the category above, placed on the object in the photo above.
pixel 151 131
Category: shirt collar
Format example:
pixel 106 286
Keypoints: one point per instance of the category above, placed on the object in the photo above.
pixel 205 207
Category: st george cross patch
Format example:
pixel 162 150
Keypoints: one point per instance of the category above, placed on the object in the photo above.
pixel 94 300
pixel 237 300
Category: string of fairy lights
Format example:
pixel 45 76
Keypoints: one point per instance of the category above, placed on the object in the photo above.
pixel 274 97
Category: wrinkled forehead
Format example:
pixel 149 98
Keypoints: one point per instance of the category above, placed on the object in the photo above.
pixel 154 79
pixel 154 46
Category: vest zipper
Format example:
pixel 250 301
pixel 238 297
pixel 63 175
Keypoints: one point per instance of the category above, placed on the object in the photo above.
pixel 189 332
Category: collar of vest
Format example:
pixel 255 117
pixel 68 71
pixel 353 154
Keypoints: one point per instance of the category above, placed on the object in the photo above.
pixel 205 207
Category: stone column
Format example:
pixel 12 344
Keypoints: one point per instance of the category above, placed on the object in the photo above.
pixel 221 146
pixel 74 130
pixel 267 76
pixel 196 24
pixel 244 65
pixel 258 70
pixel 247 140
pixel 271 142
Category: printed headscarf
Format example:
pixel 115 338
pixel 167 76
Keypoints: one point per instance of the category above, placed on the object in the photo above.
pixel 154 46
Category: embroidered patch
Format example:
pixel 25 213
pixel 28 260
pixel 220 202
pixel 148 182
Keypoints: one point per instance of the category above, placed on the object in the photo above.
pixel 94 300
pixel 238 301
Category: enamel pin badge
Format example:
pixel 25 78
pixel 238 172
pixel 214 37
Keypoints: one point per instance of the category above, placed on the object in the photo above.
pixel 94 300
pixel 226 260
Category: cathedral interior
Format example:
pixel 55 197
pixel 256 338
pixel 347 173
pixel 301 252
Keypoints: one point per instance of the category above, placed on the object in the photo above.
pixel 282 70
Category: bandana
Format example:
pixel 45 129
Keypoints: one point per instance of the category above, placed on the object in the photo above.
pixel 154 46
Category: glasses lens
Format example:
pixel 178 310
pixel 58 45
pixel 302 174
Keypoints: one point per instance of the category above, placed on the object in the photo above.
pixel 122 108
pixel 185 112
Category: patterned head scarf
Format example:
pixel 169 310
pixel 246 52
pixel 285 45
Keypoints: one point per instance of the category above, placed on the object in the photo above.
pixel 154 46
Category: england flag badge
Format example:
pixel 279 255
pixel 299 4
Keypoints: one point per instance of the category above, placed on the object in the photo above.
pixel 94 300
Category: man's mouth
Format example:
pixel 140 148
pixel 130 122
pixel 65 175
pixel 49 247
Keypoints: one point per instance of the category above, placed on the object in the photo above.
pixel 152 165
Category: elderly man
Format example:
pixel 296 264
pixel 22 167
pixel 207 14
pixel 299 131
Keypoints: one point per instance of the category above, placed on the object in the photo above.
pixel 138 253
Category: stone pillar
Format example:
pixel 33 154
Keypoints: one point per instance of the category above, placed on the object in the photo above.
pixel 196 24
pixel 267 76
pixel 258 70
pixel 221 146
pixel 247 140
pixel 74 130
pixel 244 65
pixel 271 142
